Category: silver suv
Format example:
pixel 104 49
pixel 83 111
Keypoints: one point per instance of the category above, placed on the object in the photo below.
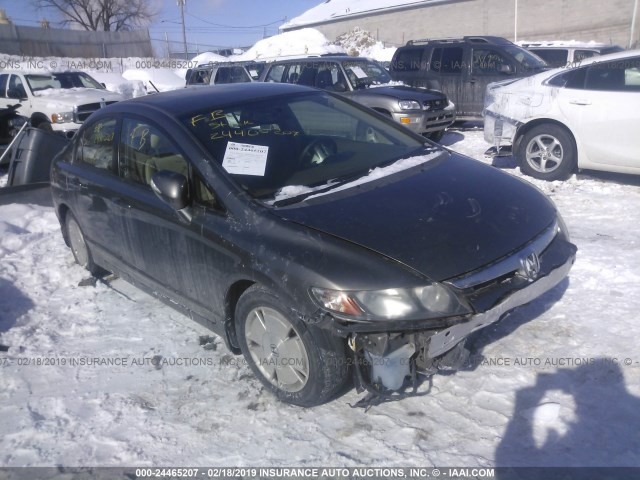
pixel 426 112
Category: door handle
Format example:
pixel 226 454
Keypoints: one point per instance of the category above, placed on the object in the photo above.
pixel 473 80
pixel 580 102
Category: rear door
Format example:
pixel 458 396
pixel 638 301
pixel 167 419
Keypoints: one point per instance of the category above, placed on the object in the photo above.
pixel 450 65
pixel 605 113
pixel 93 185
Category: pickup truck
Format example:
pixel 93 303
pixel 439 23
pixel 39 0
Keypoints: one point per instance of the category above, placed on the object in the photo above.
pixel 54 101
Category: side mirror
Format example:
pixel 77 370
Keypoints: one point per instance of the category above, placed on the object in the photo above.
pixel 505 68
pixel 104 85
pixel 173 189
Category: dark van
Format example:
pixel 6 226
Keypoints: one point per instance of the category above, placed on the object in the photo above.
pixel 463 67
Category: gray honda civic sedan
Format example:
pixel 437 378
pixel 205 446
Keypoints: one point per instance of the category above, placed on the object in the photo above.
pixel 322 241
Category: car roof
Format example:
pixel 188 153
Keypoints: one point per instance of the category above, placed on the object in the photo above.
pixel 186 100
pixel 610 56
pixel 324 58
pixel 567 44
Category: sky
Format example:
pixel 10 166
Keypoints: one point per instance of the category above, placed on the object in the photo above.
pixel 210 24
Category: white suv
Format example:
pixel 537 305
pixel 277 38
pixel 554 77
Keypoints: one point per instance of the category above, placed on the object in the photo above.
pixel 563 119
pixel 57 101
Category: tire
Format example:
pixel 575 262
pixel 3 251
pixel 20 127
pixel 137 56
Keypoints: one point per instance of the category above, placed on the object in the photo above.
pixel 310 370
pixel 79 248
pixel 436 136
pixel 547 152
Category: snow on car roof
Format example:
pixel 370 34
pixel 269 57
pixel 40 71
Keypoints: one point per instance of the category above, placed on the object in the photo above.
pixel 563 43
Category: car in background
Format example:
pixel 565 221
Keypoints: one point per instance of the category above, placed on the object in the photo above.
pixel 463 67
pixel 566 54
pixel 427 112
pixel 54 101
pixel 314 235
pixel 569 118
pixel 217 73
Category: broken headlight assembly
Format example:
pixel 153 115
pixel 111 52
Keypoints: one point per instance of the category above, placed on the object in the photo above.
pixel 430 301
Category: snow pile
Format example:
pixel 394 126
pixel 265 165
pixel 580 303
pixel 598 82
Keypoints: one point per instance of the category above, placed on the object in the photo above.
pixel 359 42
pixel 208 57
pixel 307 41
pixel 342 8
pixel 156 79
pixel 115 82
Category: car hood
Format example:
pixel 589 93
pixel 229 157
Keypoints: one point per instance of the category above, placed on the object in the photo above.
pixel 444 218
pixel 402 92
pixel 77 96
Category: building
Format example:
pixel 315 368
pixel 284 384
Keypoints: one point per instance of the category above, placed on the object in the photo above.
pixel 394 22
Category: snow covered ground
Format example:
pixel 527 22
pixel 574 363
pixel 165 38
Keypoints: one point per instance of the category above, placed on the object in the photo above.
pixel 100 375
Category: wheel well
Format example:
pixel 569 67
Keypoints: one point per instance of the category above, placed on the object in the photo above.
pixel 231 300
pixel 38 118
pixel 522 131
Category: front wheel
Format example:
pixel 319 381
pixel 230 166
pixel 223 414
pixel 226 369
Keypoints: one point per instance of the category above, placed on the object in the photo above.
pixel 300 364
pixel 547 152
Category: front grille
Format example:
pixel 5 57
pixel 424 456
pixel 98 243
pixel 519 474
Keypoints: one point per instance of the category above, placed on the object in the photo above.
pixel 84 111
pixel 437 104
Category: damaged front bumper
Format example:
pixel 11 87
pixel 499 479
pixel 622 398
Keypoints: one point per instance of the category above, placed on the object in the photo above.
pixel 388 354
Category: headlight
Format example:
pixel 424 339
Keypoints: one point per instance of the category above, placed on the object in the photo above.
pixel 65 117
pixel 409 105
pixel 430 301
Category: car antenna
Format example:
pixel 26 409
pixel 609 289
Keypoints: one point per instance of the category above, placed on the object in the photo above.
pixel 154 86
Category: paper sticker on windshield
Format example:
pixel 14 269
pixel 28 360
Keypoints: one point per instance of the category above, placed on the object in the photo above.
pixel 245 159
pixel 359 72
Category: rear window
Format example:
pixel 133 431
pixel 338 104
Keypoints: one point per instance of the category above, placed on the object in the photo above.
pixel 557 57
pixel 408 60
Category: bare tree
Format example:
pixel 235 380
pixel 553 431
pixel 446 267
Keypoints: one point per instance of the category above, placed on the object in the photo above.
pixel 107 15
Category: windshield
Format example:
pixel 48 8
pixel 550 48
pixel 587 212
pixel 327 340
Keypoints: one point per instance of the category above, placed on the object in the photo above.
pixel 37 83
pixel 300 140
pixel 525 57
pixel 77 80
pixel 365 72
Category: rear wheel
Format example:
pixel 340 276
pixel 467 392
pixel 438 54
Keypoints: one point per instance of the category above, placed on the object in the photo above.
pixel 79 248
pixel 299 363
pixel 547 152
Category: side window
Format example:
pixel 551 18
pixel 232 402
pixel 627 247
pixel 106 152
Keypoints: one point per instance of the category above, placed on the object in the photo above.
pixel 16 88
pixel 570 79
pixel 556 57
pixel 447 60
pixel 231 75
pixel 488 62
pixel 293 73
pixel 203 194
pixel 3 85
pixel 617 75
pixel 200 77
pixel 145 150
pixel 308 74
pixel 97 145
pixel 582 54
pixel 408 60
pixel 275 74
